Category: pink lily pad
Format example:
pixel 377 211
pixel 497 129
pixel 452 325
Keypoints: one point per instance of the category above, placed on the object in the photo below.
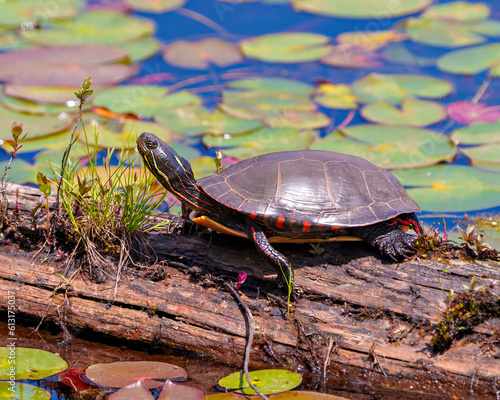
pixel 171 391
pixel 134 391
pixel 73 378
pixel 467 112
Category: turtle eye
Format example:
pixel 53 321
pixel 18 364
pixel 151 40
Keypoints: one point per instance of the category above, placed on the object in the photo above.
pixel 151 144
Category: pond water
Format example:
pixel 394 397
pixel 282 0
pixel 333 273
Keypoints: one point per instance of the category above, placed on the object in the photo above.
pixel 317 97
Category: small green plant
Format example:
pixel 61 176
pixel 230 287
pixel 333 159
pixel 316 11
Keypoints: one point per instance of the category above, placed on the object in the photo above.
pixel 473 240
pixel 44 187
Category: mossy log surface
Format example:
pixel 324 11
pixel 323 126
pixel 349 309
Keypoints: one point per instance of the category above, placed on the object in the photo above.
pixel 376 316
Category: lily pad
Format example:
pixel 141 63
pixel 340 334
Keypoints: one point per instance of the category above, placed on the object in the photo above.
pixel 199 55
pixel 273 84
pixel 24 106
pixel 481 133
pixel 23 391
pixel 390 146
pixel 458 11
pixel 43 94
pixel 373 9
pixel 287 47
pixel 369 40
pixel 451 188
pixel 31 364
pixel 34 125
pixel 141 49
pixel 481 155
pixel 10 41
pixel 394 88
pixel 172 391
pixel 268 381
pixel 197 120
pixel 291 395
pixel 136 390
pixel 352 57
pixel 336 96
pixel 93 27
pixel 66 65
pixel 399 53
pixel 412 112
pixel 260 141
pixel 14 13
pixel 155 6
pixel 298 120
pixel 123 373
pixel 472 60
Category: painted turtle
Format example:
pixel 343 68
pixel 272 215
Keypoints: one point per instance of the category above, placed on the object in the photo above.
pixel 301 196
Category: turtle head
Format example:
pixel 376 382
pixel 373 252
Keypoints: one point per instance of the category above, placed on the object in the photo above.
pixel 410 220
pixel 173 171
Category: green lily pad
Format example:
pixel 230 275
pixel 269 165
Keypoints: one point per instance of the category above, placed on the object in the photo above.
pixel 298 120
pixel 480 133
pixel 34 125
pixel 66 65
pixel 260 141
pixel 480 155
pixel 295 395
pixel 23 391
pixel 43 94
pixel 14 13
pixel 451 188
pixel 287 47
pixel 10 41
pixel 372 9
pixel 31 364
pixel 472 60
pixel 203 166
pixel 93 27
pixel 155 6
pixel 399 53
pixel 24 106
pixel 273 84
pixel 369 40
pixel 141 49
pixel 390 146
pixel 458 11
pixel 199 55
pixel 336 96
pixel 196 120
pixel 394 88
pixel 412 112
pixel 268 381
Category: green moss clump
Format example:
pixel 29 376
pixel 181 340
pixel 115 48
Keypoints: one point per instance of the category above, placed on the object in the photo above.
pixel 464 311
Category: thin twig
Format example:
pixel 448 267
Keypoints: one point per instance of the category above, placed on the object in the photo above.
pixel 250 327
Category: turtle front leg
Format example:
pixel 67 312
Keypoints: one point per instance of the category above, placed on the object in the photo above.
pixel 391 241
pixel 275 258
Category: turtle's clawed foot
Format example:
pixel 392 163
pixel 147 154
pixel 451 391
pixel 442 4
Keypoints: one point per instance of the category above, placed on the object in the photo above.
pixel 396 244
pixel 179 225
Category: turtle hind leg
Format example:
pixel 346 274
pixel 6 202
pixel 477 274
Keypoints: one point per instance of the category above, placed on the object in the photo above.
pixel 275 258
pixel 391 241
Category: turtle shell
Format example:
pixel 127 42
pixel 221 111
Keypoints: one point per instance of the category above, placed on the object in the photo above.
pixel 314 186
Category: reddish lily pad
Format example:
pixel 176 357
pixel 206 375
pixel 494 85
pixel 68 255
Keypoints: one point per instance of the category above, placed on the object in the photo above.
pixel 336 96
pixel 155 6
pixel 287 47
pixel 172 391
pixel 65 65
pixel 394 88
pixel 352 57
pixel 123 373
pixel 268 381
pixel 412 112
pixel 467 112
pixel 135 391
pixel 31 364
pixel 103 27
pixel 451 188
pixel 14 13
pixel 372 9
pixel 73 378
pixel 199 55
pixel 43 94
pixel 472 60
pixel 390 146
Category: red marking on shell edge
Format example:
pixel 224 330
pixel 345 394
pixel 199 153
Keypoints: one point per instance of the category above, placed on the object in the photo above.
pixel 279 224
pixel 253 215
pixel 306 227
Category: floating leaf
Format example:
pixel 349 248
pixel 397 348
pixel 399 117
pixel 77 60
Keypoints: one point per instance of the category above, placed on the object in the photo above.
pixel 298 120
pixel 136 390
pixel 16 12
pixel 72 377
pixel 141 49
pixel 394 88
pixel 412 112
pixel 268 381
pixel 353 57
pixel 336 96
pixel 373 9
pixel 398 53
pixel 263 84
pixel 199 55
pixel 291 395
pixel 24 106
pixel 65 65
pixel 123 373
pixel 451 188
pixel 197 120
pixel 23 391
pixel 171 391
pixel 260 141
pixel 42 94
pixel 480 133
pixel 155 6
pixel 467 112
pixel 31 364
pixel 287 47
pixel 390 146
pixel 480 155
pixel 93 27
pixel 10 41
pixel 458 11
pixel 369 40
pixel 472 60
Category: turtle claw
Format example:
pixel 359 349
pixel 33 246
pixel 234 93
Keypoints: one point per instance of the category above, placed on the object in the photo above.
pixel 396 245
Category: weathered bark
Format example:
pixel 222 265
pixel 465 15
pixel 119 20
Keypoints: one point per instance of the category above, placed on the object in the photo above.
pixel 188 310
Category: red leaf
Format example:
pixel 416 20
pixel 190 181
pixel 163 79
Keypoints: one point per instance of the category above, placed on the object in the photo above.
pixel 466 112
pixel 242 277
pixel 73 378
